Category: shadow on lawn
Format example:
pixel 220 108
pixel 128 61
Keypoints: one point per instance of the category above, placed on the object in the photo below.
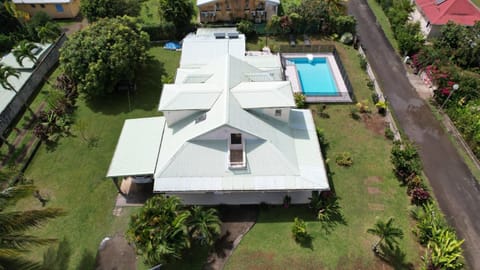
pixel 59 258
pixel 87 261
pixel 394 257
pixel 146 97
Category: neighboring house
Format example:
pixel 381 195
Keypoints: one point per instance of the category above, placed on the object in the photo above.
pixel 233 10
pixel 11 103
pixel 433 14
pixel 57 9
pixel 230 133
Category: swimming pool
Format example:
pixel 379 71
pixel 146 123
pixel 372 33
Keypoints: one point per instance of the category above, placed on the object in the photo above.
pixel 315 76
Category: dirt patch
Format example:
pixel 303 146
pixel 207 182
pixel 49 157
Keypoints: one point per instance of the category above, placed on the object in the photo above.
pixel 375 123
pixel 376 206
pixel 373 190
pixel 359 264
pixel 116 253
pixel 373 180
pixel 236 222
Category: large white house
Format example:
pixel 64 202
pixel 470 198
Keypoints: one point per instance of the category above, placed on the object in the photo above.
pixel 230 133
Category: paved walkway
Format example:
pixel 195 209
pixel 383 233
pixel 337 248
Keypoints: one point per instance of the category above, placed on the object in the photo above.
pixel 457 191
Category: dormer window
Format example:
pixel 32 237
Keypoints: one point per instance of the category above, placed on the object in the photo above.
pixel 236 152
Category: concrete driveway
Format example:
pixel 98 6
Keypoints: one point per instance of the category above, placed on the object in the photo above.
pixel 455 188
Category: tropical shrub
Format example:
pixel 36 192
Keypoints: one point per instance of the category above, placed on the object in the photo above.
pixel 389 133
pixel 420 195
pixel 363 106
pixel 299 99
pixel 387 232
pixel 445 251
pixel 246 27
pixel 381 107
pixel 344 159
pixel 164 229
pixel 414 182
pixel 299 230
pixel 405 159
pixel 363 62
pixel 354 113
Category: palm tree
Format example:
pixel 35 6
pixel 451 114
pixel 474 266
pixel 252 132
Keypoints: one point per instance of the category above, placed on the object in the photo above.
pixel 5 73
pixel 387 232
pixel 204 225
pixel 48 33
pixel 14 243
pixel 25 50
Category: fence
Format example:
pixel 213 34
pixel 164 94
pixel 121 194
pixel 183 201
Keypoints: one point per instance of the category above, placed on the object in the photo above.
pixel 29 88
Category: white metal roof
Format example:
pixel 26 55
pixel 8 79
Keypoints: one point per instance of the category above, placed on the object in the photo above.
pixel 27 64
pixel 264 94
pixel 137 148
pixel 188 96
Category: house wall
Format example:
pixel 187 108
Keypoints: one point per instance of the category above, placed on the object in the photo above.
pixel 231 10
pixel 173 117
pixel 238 198
pixel 70 10
pixel 429 30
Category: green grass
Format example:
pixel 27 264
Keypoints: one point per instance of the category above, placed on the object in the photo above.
pixel 384 23
pixel 476 2
pixel 269 244
pixel 72 175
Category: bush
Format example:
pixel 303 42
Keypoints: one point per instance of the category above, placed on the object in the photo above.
pixel 299 100
pixel 414 182
pixel 375 98
pixel 362 106
pixel 381 107
pixel 345 24
pixel 420 196
pixel 363 62
pixel 38 20
pixel 344 159
pixel 371 86
pixel 406 160
pixel 299 230
pixel 354 113
pixel 389 133
pixel 163 31
pixel 6 43
pixel 246 27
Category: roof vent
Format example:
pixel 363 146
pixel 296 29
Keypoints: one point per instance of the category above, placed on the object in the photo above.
pixel 233 35
pixel 219 35
pixel 439 2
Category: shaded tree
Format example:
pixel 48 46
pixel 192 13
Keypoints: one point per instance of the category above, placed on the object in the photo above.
pixel 110 50
pixel 204 225
pixel 387 232
pixel 97 9
pixel 179 12
pixel 48 32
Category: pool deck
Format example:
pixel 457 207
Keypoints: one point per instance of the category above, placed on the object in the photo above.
pixel 292 75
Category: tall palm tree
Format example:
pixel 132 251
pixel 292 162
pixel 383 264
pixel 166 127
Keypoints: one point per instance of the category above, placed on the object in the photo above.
pixel 387 232
pixel 204 225
pixel 5 73
pixel 48 33
pixel 25 50
pixel 14 243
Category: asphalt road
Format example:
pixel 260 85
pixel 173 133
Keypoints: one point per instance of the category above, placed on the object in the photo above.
pixel 457 191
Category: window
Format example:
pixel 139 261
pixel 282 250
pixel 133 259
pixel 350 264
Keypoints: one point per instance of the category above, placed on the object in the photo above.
pixel 428 24
pixel 33 5
pixel 246 4
pixel 236 138
pixel 42 5
pixel 59 7
pixel 217 6
pixel 278 113
pixel 227 5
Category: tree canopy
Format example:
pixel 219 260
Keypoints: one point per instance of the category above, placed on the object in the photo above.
pixel 96 9
pixel 108 51
pixel 179 12
pixel 163 229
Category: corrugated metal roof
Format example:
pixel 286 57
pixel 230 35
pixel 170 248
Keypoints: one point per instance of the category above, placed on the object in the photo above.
pixel 10 59
pixel 188 96
pixel 264 94
pixel 137 148
pixel 6 96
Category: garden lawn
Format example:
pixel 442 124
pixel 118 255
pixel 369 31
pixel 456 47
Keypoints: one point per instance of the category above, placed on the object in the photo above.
pixel 384 23
pixel 72 174
pixel 367 190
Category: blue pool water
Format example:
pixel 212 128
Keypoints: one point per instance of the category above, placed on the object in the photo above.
pixel 315 76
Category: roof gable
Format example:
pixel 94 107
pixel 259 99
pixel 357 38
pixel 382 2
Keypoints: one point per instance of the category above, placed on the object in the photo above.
pixel 441 12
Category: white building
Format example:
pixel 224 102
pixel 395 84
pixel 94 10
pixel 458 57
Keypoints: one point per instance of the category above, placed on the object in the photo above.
pixel 230 132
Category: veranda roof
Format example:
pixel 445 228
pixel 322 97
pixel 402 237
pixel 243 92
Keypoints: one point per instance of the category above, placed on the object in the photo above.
pixel 137 148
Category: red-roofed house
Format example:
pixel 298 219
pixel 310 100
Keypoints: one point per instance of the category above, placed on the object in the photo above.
pixel 432 14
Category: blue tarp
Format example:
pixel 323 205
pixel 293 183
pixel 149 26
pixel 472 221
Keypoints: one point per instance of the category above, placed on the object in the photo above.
pixel 172 46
